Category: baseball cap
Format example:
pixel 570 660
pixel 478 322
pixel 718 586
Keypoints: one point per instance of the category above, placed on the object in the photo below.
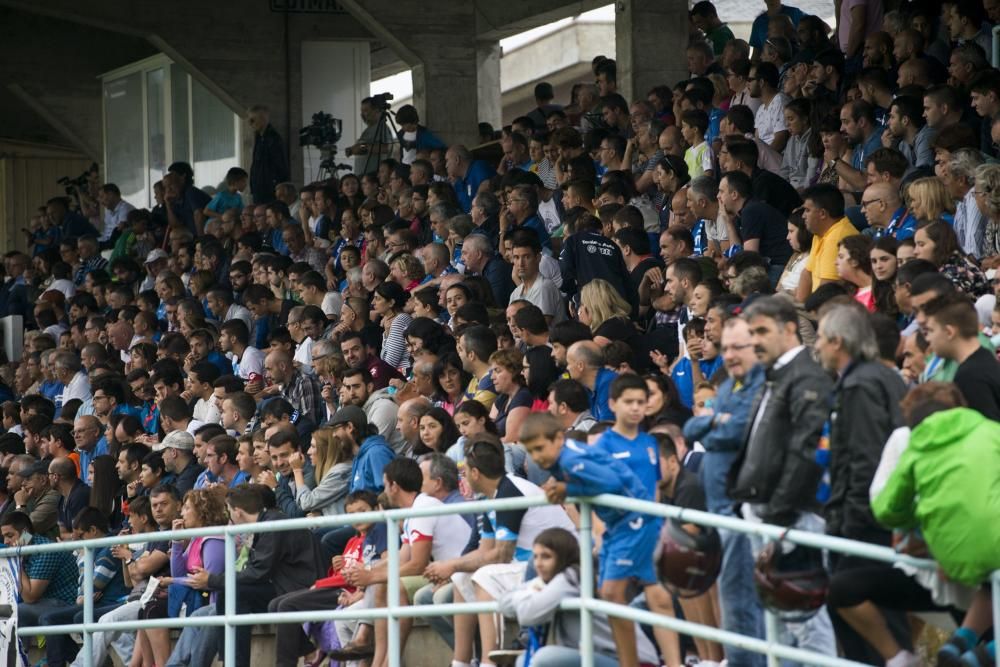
pixel 351 414
pixel 176 440
pixel 156 255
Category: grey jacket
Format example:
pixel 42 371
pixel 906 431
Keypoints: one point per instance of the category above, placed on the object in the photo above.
pixel 537 603
pixel 328 496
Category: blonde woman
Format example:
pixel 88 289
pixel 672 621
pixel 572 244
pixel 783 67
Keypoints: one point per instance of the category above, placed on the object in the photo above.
pixel 607 314
pixel 929 200
pixel 988 200
pixel 407 271
pixel 331 458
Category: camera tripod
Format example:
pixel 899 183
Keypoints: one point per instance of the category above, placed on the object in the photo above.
pixel 385 121
pixel 328 167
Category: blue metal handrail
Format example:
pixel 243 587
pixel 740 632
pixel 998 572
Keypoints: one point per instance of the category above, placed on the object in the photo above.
pixel 586 604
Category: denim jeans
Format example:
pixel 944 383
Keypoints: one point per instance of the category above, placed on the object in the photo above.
pixel 741 609
pixel 60 650
pixel 815 634
pixel 122 641
pixel 196 646
pixel 28 613
pixel 441 624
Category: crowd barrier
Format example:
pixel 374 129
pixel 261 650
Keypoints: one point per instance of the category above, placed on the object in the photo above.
pixel 586 604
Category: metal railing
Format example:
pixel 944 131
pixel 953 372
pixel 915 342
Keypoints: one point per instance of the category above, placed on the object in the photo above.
pixel 586 604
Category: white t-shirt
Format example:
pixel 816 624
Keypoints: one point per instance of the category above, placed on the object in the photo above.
pixel 206 411
pixel 543 293
pixel 409 154
pixel 251 362
pixel 78 387
pixel 303 355
pixel 448 534
pixel 523 526
pixel 770 118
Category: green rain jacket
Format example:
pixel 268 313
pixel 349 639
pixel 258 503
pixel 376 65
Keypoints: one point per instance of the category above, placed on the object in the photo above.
pixel 947 483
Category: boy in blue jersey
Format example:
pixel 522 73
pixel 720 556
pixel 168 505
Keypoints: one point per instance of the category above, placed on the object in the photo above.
pixel 629 538
pixel 625 441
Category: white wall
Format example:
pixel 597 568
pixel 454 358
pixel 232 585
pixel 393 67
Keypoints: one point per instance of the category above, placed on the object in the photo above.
pixel 336 76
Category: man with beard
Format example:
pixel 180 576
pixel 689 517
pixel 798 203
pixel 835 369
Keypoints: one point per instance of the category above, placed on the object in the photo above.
pixel 356 388
pixel 857 122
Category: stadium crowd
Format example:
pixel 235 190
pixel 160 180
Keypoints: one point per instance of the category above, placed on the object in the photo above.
pixel 767 291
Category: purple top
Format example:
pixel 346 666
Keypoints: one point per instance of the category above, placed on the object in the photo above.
pixel 213 558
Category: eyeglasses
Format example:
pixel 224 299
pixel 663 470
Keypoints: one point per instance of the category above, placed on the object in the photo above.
pixel 100 398
pixel 866 203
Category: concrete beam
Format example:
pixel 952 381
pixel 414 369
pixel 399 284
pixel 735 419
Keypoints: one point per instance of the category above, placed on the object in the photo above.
pixel 496 20
pixel 455 76
pixel 258 63
pixel 651 37
pixel 72 137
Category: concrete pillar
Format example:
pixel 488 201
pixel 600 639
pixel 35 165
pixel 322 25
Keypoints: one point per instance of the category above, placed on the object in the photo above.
pixel 437 39
pixel 488 67
pixel 651 38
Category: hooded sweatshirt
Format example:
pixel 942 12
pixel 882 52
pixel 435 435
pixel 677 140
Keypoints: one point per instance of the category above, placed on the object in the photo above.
pixel 947 483
pixel 366 472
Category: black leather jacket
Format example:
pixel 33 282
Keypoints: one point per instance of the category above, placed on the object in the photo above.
pixel 865 412
pixel 776 470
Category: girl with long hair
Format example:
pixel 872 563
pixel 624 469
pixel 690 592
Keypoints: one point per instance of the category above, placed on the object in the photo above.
pixel 854 267
pixel 201 508
pixel 884 265
pixel 937 243
pixel 609 315
pixel 105 491
pixel 450 381
pixel 535 605
pixel 332 459
pixel 437 432
pixel 388 304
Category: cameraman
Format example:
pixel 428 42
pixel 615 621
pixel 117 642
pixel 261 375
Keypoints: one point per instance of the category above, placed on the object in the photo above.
pixel 381 142
pixel 414 137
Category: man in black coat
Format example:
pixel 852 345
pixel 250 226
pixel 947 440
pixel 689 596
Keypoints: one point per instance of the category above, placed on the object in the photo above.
pixel 278 563
pixel 270 159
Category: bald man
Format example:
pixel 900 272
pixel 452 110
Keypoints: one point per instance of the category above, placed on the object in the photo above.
pixel 671 141
pixel 885 212
pixel 74 494
pixel 90 442
pixel 585 363
pixel 120 334
pixel 408 422
pixel 303 391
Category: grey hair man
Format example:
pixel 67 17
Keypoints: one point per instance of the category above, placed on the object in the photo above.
pixel 960 179
pixel 703 202
pixel 865 404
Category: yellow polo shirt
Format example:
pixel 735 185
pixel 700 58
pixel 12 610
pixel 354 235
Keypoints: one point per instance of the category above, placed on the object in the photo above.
pixel 822 262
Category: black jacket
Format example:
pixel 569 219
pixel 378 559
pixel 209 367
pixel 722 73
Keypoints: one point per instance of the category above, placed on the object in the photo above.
pixel 865 412
pixel 776 191
pixel 269 166
pixel 289 560
pixel 586 256
pixel 777 468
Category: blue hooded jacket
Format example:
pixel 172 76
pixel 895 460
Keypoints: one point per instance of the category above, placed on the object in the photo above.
pixel 366 471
